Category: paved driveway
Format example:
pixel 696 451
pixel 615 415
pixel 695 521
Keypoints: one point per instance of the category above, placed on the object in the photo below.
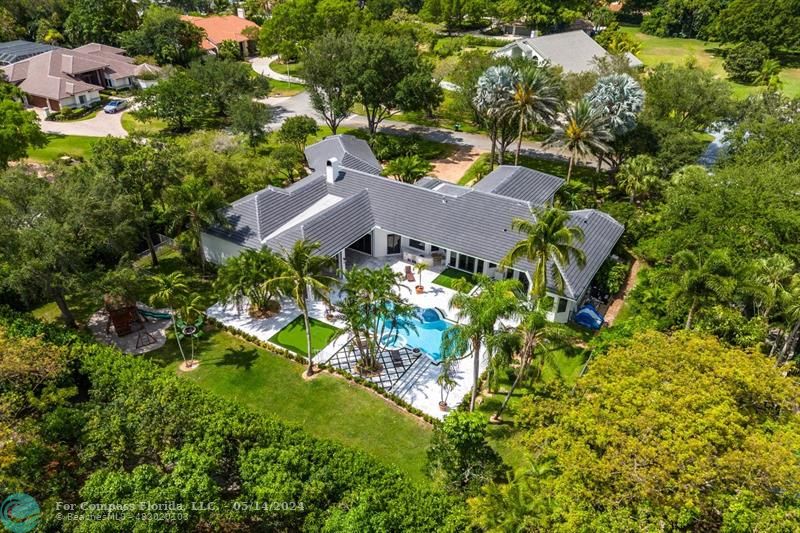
pixel 101 125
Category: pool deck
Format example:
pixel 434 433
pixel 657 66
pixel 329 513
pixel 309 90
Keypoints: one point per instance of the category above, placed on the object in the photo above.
pixel 414 383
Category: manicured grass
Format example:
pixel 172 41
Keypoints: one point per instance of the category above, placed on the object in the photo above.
pixel 675 50
pixel 150 127
pixel 284 88
pixel 327 406
pixel 293 336
pixel 290 69
pixel 451 275
pixel 563 363
pixel 59 145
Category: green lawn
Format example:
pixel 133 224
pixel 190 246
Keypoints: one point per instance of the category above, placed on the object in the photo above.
pixel 59 145
pixel 327 406
pixel 150 127
pixel 451 275
pixel 560 363
pixel 675 50
pixel 293 336
pixel 284 88
pixel 290 69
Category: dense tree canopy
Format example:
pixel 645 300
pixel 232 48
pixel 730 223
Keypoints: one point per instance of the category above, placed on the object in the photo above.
pixel 164 36
pixel 100 21
pixel 675 432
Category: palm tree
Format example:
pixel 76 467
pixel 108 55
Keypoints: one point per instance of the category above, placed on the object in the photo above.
pixel 583 131
pixel 548 240
pixel 493 92
pixel 534 100
pixel 533 332
pixel 638 175
pixel 170 289
pixel 193 206
pixel 408 169
pixel 247 277
pixel 701 280
pixel 303 277
pixel 477 313
pixel 773 276
pixel 791 310
pixel 191 314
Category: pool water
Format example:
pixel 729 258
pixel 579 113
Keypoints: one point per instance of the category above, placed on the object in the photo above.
pixel 424 331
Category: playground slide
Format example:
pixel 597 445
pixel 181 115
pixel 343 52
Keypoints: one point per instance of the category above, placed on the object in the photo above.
pixel 154 314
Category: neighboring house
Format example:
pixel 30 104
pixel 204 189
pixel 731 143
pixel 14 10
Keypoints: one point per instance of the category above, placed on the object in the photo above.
pixel 346 206
pixel 13 51
pixel 226 28
pixel 573 51
pixel 62 77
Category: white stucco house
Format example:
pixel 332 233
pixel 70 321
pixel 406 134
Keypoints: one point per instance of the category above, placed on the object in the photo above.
pixel 347 206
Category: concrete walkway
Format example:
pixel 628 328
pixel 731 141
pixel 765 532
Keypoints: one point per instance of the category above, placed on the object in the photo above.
pixel 101 125
pixel 263 65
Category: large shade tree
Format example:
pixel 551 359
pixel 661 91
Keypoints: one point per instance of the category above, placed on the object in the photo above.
pixel 327 72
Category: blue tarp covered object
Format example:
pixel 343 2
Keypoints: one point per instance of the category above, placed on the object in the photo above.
pixel 588 317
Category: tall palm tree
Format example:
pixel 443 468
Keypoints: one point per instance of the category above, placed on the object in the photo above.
pixel 533 332
pixel 701 281
pixel 170 290
pixel 638 175
pixel 193 206
pixel 548 239
pixel 773 276
pixel 304 277
pixel 478 312
pixel 492 94
pixel 792 312
pixel 535 100
pixel 583 131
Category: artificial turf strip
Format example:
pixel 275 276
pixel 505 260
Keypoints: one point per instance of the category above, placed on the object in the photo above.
pixel 450 275
pixel 293 336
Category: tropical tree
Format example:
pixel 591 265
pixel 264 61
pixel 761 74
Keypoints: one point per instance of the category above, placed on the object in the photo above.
pixel 791 311
pixel 477 312
pixel 248 278
pixel 620 99
pixel 408 168
pixel 170 290
pixel 773 276
pixel 493 94
pixel 532 333
pixel 191 315
pixel 534 100
pixel 304 277
pixel 638 175
pixel 193 206
pixel 701 280
pixel 373 311
pixel 583 131
pixel 549 242
pixel 446 379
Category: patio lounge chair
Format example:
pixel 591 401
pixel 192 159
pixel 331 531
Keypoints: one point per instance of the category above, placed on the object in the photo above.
pixel 396 358
pixel 409 274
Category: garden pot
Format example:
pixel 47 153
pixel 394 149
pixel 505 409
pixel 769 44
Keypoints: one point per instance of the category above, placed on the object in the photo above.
pixel 443 406
pixel 420 289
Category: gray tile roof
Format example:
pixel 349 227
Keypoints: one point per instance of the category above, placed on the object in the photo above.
pixel 521 183
pixel 473 222
pixel 350 151
pixel 574 51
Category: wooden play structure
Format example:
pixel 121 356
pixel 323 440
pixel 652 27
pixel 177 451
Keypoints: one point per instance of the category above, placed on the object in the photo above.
pixel 124 315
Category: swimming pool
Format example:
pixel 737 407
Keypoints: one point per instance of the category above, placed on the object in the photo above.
pixel 424 331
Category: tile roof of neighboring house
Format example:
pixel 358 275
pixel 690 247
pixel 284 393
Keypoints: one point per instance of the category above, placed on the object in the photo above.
pixel 521 183
pixel 351 152
pixel 467 220
pixel 221 28
pixel 574 51
pixel 53 74
pixel 13 51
